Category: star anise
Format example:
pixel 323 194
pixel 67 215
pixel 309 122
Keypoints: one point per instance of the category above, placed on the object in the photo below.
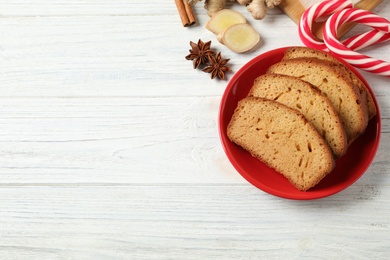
pixel 217 66
pixel 200 53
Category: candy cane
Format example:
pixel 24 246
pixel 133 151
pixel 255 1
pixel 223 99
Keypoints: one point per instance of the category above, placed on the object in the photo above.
pixel 379 34
pixel 326 8
pixel 314 12
pixel 363 40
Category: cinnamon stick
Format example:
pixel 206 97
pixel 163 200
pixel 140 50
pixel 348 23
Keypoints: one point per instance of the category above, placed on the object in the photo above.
pixel 185 12
pixel 190 12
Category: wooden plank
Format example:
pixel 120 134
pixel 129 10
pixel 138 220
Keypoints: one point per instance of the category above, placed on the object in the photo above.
pixel 190 222
pixel 20 8
pixel 106 56
pixel 120 140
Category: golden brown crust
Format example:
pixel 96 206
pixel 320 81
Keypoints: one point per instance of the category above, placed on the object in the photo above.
pixel 344 96
pixel 305 52
pixel 302 96
pixel 283 139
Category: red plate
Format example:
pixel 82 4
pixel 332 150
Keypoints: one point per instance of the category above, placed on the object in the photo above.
pixel 349 168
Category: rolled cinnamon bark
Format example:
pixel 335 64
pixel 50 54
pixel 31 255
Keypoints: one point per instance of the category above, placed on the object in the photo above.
pixel 185 12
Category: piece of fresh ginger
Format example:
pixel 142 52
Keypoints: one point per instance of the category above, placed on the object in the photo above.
pixel 212 6
pixel 240 37
pixel 233 31
pixel 258 8
pixel 223 19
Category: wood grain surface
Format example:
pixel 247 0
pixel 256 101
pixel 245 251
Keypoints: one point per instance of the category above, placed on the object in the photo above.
pixel 109 145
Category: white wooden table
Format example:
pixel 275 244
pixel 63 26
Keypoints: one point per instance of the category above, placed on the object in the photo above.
pixel 109 145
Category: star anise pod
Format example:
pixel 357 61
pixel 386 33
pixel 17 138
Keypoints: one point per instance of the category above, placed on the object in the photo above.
pixel 200 53
pixel 217 66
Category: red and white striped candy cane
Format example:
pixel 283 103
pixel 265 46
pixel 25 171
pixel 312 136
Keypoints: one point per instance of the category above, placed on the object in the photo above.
pixel 363 40
pixel 379 34
pixel 326 8
pixel 314 12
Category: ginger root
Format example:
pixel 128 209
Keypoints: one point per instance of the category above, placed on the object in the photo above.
pixel 233 31
pixel 214 6
pixel 223 19
pixel 258 8
pixel 240 37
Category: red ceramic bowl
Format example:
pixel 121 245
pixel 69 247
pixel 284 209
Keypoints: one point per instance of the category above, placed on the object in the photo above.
pixel 349 168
